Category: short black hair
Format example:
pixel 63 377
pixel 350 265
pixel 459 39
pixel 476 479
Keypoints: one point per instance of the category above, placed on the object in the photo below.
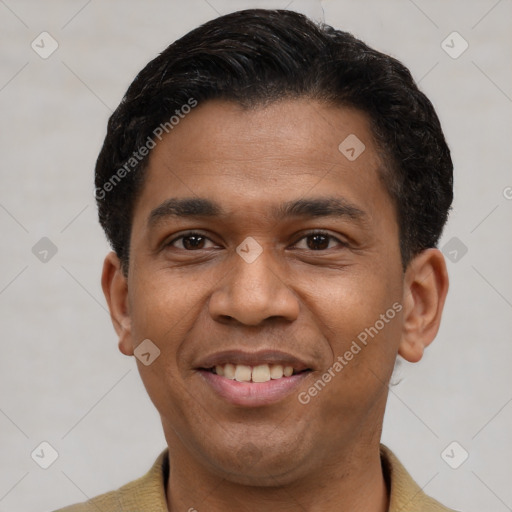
pixel 253 58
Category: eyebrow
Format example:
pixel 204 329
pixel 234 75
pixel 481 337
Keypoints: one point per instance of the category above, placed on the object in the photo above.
pixel 312 207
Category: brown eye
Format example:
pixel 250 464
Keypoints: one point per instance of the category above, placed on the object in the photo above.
pixel 320 241
pixel 317 242
pixel 190 242
pixel 193 242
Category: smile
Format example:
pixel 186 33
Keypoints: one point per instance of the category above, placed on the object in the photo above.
pixel 253 386
pixel 258 373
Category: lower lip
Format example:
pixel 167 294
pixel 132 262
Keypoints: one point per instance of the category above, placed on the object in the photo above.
pixel 253 394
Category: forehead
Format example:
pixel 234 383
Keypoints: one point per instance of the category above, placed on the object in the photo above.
pixel 300 130
pixel 264 156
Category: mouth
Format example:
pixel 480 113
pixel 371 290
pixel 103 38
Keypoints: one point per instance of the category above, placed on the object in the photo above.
pixel 253 380
pixel 259 373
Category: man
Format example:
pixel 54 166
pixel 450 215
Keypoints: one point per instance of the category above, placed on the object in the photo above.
pixel 274 192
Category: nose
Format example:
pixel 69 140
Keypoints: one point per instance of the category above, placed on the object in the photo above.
pixel 253 292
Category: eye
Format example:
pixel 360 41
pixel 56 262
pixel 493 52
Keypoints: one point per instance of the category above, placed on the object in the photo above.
pixel 319 241
pixel 190 241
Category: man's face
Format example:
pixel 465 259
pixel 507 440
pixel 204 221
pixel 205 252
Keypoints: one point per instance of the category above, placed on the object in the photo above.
pixel 326 272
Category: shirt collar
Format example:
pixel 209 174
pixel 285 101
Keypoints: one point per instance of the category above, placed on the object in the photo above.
pixel 404 492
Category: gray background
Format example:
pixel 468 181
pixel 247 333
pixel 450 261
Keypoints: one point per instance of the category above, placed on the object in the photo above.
pixel 62 379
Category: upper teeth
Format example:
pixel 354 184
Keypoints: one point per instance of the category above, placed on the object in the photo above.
pixel 259 373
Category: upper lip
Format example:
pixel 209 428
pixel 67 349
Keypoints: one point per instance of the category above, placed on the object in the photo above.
pixel 253 359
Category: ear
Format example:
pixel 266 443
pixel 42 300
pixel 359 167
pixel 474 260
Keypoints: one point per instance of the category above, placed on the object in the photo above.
pixel 425 289
pixel 115 288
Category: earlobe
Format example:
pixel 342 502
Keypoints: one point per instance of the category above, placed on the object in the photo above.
pixel 115 288
pixel 425 290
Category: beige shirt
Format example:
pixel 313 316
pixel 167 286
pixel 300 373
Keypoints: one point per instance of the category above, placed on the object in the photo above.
pixel 148 492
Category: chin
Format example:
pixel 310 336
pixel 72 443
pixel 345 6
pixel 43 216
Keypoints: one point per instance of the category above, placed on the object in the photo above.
pixel 261 467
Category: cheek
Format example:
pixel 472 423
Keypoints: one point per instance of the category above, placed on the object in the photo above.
pixel 361 319
pixel 351 392
pixel 163 309
pixel 166 307
pixel 353 302
pixel 162 304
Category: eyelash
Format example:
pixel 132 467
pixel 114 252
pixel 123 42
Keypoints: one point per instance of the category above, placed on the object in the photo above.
pixel 305 235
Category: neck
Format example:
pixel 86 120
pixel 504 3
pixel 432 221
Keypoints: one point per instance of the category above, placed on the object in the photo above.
pixel 353 481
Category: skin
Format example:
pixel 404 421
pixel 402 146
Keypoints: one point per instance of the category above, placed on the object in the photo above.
pixel 308 301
